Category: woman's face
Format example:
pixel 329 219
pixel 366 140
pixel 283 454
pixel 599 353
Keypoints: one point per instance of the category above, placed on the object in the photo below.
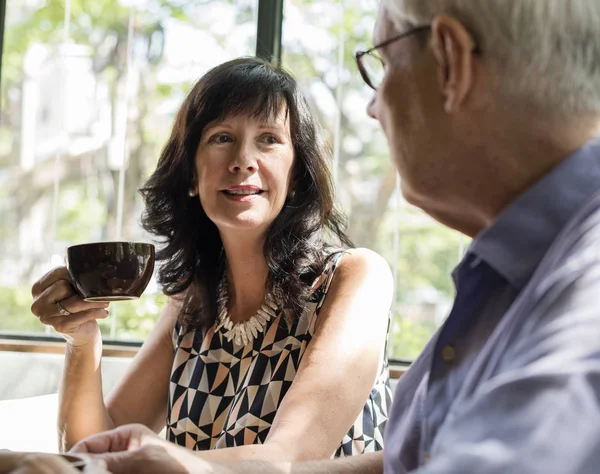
pixel 244 169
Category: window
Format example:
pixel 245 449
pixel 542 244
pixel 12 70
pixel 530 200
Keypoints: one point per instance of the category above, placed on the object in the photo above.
pixel 89 91
pixel 319 42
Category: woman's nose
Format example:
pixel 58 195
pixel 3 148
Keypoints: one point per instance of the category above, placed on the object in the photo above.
pixel 244 159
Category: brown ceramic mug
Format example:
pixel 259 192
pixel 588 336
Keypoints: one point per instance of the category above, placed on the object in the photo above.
pixel 110 271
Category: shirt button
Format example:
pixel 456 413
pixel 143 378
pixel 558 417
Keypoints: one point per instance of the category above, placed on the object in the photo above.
pixel 448 353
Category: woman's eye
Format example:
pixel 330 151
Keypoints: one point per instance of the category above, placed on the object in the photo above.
pixel 269 139
pixel 220 138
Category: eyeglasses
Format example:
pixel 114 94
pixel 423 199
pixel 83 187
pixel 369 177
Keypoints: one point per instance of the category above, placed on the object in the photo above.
pixel 370 64
pixel 372 67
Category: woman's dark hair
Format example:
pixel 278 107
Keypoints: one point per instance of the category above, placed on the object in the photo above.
pixel 301 238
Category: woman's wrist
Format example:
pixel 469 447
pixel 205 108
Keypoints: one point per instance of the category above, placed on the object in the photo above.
pixel 91 346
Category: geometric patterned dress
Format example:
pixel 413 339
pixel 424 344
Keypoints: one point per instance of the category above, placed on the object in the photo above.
pixel 224 394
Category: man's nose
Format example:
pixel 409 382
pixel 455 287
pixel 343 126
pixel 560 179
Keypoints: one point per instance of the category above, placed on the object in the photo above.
pixel 372 107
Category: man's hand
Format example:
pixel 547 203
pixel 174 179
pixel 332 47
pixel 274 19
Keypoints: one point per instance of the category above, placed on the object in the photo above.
pixel 123 438
pixel 39 463
pixel 150 459
pixel 136 448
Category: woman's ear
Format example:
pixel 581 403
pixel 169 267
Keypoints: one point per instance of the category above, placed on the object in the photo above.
pixel 292 186
pixel 193 189
pixel 294 181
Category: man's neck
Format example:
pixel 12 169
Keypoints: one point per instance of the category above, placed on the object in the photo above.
pixel 514 160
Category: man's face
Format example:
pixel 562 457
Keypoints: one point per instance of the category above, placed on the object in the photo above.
pixel 410 108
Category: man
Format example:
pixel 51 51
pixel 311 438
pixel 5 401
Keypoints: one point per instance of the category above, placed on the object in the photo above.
pixel 490 109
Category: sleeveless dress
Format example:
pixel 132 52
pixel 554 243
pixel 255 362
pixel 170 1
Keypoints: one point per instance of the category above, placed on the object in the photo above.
pixel 224 395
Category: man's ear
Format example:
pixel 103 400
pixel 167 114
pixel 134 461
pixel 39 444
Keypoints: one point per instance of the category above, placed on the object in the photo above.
pixel 453 48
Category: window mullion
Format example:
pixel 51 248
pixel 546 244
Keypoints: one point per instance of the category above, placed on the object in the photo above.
pixel 268 34
pixel 2 22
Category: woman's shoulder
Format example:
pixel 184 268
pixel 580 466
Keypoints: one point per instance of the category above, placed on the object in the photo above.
pixel 354 265
pixel 361 264
pixel 365 259
pixel 361 289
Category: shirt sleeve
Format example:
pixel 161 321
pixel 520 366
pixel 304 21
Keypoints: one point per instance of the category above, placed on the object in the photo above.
pixel 541 412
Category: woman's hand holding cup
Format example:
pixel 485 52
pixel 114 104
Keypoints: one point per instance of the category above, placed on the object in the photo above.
pixel 56 304
pixel 72 299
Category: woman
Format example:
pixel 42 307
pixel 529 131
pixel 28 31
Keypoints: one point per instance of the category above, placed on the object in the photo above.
pixel 272 343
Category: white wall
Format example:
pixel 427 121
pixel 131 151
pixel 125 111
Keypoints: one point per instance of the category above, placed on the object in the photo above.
pixel 24 374
pixel 28 397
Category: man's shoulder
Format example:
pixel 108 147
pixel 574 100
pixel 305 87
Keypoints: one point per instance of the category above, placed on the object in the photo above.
pixel 576 251
pixel 560 312
pixel 586 222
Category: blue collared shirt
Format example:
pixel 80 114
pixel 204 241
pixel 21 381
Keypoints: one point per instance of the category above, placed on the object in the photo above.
pixel 510 384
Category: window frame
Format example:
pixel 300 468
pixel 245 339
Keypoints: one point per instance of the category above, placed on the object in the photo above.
pixel 2 23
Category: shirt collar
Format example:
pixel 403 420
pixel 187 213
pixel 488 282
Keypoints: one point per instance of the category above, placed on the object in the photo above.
pixel 517 241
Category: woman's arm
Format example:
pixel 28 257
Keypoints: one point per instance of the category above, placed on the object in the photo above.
pixel 134 448
pixel 331 386
pixel 81 410
pixel 142 394
pixel 141 397
pixel 337 371
pixel 370 463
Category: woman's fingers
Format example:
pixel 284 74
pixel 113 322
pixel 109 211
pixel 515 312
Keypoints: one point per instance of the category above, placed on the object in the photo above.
pixel 44 304
pixel 76 304
pixel 77 325
pixel 69 324
pixel 54 275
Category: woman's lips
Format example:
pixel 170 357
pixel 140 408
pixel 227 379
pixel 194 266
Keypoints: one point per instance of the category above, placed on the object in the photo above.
pixel 242 197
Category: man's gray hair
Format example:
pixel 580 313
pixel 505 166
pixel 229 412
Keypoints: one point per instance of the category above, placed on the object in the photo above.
pixel 547 51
